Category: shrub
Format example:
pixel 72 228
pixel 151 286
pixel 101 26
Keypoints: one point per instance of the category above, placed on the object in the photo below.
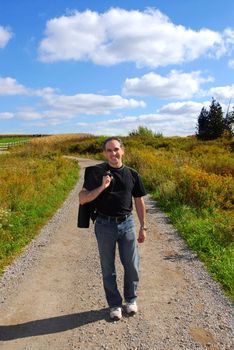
pixel 203 190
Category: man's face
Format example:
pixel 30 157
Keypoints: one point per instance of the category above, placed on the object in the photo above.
pixel 114 153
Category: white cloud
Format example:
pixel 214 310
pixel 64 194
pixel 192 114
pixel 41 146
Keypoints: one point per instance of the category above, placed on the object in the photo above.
pixel 89 104
pixel 29 113
pixel 227 43
pixel 231 64
pixel 6 115
pixel 5 36
pixel 9 86
pixel 147 38
pixel 175 85
pixel 188 108
pixel 222 92
pixel 64 106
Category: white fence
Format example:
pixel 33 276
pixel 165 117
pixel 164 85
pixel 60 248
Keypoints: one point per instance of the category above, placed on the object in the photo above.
pixel 6 145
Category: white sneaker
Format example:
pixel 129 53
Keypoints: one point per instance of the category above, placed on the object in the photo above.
pixel 131 308
pixel 115 313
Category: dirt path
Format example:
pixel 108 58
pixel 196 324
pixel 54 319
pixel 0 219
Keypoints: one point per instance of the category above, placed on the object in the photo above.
pixel 52 296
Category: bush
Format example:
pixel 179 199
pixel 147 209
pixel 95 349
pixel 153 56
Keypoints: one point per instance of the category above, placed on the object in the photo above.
pixel 202 190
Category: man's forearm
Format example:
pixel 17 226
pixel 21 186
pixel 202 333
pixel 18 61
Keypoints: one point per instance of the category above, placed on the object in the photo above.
pixel 86 196
pixel 140 209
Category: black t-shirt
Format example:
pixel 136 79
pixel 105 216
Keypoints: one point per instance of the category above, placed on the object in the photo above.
pixel 115 200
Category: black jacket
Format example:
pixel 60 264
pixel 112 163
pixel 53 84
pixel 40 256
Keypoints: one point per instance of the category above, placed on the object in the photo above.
pixel 93 179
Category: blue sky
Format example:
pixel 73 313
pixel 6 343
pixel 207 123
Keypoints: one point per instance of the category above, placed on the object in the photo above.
pixel 106 67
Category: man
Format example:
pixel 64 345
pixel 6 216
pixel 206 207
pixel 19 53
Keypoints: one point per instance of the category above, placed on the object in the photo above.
pixel 112 197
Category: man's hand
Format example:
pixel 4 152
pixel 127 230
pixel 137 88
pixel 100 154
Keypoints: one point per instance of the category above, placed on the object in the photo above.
pixel 106 180
pixel 86 196
pixel 142 235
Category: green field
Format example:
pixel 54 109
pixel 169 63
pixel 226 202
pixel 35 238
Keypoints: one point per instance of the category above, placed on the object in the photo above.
pixel 13 139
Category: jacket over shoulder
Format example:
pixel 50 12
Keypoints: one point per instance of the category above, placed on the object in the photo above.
pixel 92 179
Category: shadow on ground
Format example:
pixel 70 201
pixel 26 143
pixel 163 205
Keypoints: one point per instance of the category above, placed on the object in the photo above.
pixel 52 325
pixel 186 255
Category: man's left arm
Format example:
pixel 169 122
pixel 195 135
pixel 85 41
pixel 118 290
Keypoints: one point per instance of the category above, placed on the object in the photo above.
pixel 141 213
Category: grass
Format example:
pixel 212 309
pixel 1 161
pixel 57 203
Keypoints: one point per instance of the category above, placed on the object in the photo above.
pixel 207 234
pixel 13 139
pixel 32 187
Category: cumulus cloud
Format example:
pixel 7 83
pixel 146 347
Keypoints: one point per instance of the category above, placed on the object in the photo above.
pixel 29 113
pixel 56 105
pixel 222 92
pixel 89 104
pixel 175 85
pixel 186 108
pixel 9 86
pixel 5 36
pixel 147 38
pixel 227 44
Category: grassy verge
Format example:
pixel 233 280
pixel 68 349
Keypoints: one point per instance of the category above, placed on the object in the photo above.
pixel 32 188
pixel 209 235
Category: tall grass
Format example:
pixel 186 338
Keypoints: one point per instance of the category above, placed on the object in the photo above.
pixel 34 181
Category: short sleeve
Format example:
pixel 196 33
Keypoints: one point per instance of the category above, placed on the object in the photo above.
pixel 139 188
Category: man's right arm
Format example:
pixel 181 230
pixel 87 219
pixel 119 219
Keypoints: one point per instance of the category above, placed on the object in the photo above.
pixel 86 196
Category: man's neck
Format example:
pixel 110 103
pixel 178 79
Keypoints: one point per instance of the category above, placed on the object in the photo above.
pixel 116 166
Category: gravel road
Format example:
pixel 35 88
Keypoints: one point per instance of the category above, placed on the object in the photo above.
pixel 52 295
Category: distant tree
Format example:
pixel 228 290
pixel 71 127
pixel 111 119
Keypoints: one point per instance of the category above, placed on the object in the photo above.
pixel 212 124
pixel 229 121
pixel 216 120
pixel 144 131
pixel 203 124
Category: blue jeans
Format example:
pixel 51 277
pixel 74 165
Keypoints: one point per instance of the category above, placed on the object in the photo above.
pixel 108 233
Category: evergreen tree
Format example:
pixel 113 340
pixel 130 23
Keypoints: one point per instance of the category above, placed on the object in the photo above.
pixel 229 122
pixel 216 121
pixel 212 124
pixel 203 124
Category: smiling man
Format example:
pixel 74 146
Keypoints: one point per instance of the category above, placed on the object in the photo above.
pixel 111 194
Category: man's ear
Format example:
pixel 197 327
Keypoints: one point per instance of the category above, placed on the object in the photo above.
pixel 104 153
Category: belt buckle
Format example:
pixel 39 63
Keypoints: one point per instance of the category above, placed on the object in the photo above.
pixel 121 219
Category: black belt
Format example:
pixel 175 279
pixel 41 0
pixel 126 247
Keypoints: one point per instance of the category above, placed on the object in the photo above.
pixel 117 219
